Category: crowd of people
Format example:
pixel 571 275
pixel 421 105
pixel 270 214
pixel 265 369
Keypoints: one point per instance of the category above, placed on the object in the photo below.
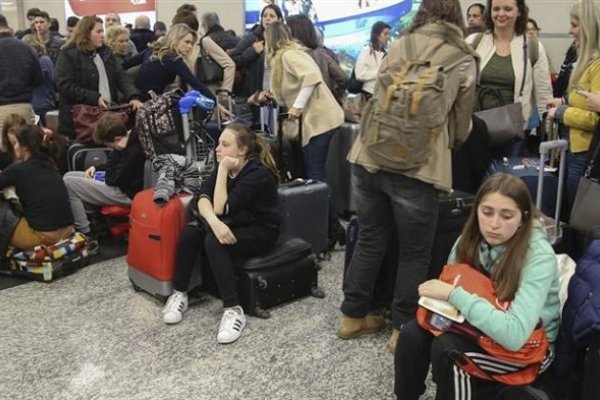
pixel 282 61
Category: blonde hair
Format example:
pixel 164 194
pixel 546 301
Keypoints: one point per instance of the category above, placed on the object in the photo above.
pixel 112 33
pixel 278 37
pixel 38 47
pixel 171 41
pixel 589 37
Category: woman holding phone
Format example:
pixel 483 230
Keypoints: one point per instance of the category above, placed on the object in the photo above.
pixel 574 112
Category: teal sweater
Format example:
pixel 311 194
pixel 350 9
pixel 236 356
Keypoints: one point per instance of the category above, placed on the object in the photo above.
pixel 536 297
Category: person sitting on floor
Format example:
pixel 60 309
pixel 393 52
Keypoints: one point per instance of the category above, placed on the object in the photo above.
pixel 124 174
pixel 238 217
pixel 47 217
pixel 503 240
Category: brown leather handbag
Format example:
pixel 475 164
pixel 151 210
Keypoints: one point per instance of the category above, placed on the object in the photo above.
pixel 85 119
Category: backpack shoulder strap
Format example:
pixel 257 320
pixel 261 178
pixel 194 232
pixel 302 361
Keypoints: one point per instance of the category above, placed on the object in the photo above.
pixel 477 40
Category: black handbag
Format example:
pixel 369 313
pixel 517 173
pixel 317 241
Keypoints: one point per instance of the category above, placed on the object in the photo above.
pixel 207 69
pixel 354 85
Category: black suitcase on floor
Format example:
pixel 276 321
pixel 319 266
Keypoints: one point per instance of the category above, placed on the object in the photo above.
pixel 454 209
pixel 80 156
pixel 288 272
pixel 339 175
pixel 304 212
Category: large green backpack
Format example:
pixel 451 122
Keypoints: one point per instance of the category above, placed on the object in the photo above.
pixel 409 107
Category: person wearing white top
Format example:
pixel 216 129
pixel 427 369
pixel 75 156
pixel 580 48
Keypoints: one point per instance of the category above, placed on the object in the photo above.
pixel 369 59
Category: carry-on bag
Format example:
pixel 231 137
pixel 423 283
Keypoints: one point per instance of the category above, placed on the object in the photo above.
pixel 286 273
pixel 454 209
pixel 153 239
pixel 80 156
pixel 338 170
pixel 527 168
pixel 304 212
pixel 47 262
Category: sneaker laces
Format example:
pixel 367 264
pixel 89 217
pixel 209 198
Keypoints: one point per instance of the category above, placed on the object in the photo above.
pixel 175 303
pixel 231 321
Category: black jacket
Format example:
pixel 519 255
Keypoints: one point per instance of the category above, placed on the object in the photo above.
pixel 141 38
pixel 76 78
pixel 20 71
pixel 125 168
pixel 245 57
pixel 225 40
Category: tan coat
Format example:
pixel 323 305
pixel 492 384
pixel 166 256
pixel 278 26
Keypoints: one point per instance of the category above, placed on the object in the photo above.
pixel 460 96
pixel 291 71
pixel 221 58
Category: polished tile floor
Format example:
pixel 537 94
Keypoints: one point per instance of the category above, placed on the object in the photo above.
pixel 91 336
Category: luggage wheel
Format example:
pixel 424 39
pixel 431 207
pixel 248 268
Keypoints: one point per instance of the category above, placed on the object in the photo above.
pixel 135 287
pixel 260 313
pixel 317 292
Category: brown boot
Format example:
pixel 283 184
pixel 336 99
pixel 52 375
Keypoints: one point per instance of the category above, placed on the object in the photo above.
pixel 391 344
pixel 353 327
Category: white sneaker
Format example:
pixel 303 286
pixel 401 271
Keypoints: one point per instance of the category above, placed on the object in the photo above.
pixel 231 326
pixel 175 307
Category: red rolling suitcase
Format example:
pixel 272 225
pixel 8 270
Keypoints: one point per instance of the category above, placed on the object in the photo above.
pixel 153 239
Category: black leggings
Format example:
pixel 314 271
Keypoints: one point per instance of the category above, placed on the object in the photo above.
pixel 198 241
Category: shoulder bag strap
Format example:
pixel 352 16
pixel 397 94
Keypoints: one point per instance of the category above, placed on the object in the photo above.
pixel 525 57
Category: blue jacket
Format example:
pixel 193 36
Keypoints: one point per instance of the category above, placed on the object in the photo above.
pixel 581 313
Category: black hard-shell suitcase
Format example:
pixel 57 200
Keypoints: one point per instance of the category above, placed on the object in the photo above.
pixel 288 272
pixel 338 168
pixel 80 156
pixel 454 209
pixel 304 212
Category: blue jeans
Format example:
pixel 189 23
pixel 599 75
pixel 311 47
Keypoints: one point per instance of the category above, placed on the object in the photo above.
pixel 315 157
pixel 576 164
pixel 384 202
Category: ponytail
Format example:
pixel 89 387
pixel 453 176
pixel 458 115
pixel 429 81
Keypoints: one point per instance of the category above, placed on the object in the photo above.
pixel 43 145
pixel 263 152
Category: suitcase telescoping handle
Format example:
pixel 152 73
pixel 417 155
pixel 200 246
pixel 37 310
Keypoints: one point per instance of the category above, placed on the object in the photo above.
pixel 192 99
pixel 545 148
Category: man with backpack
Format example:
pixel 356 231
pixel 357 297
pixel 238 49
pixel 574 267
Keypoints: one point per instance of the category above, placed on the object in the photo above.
pixel 420 110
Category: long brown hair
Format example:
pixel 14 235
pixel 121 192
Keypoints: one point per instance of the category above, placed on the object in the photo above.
pixel 520 23
pixel 82 32
pixel 430 11
pixel 42 146
pixel 507 272
pixel 256 146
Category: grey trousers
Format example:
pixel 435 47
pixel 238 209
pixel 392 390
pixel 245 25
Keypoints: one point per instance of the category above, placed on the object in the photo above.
pixel 90 191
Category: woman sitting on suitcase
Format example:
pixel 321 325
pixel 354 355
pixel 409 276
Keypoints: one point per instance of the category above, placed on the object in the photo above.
pixel 501 239
pixel 47 216
pixel 238 217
